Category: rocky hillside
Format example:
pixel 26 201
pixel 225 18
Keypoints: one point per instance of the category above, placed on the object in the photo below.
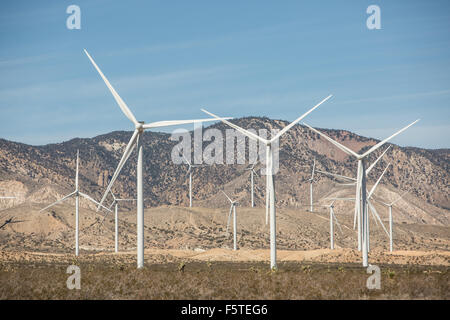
pixel 40 174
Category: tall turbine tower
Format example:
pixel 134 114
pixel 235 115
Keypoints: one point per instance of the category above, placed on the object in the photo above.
pixel 361 200
pixel 270 188
pixel 77 193
pixel 136 140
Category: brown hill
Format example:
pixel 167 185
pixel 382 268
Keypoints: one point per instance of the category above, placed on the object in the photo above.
pixel 41 174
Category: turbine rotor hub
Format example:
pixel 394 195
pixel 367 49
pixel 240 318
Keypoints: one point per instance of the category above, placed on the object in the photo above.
pixel 139 126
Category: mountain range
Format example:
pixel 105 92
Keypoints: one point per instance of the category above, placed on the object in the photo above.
pixel 42 174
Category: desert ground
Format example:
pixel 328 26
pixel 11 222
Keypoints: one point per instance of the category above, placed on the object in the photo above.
pixel 189 256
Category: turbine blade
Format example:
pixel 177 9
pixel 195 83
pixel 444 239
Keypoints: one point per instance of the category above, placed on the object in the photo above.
pixel 337 144
pixel 227 196
pixel 378 181
pixel 168 123
pixel 229 217
pixel 314 167
pixel 60 200
pixel 299 119
pixel 243 131
pixel 92 200
pixel 375 162
pixel 337 222
pixel 336 175
pixel 372 208
pixel 399 198
pixel 116 96
pixel 379 144
pixel 129 148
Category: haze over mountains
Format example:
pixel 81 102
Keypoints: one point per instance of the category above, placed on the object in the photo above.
pixel 41 174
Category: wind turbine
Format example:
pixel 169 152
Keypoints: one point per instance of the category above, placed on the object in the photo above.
pixel 77 193
pixel 190 176
pixel 353 182
pixel 252 172
pixel 311 181
pixel 115 203
pixel 389 205
pixel 333 220
pixel 232 210
pixel 136 140
pixel 361 200
pixel 270 188
pixel 374 212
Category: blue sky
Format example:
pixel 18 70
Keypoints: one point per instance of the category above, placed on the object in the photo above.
pixel 168 59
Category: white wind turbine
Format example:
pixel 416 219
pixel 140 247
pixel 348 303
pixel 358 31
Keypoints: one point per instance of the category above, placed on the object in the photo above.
pixel 190 176
pixel 353 182
pixel 270 188
pixel 374 212
pixel 115 203
pixel 252 172
pixel 77 193
pixel 333 220
pixel 233 204
pixel 361 200
pixel 389 205
pixel 136 140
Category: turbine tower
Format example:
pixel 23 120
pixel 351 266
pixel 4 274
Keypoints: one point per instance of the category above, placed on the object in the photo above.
pixel 270 187
pixel 361 200
pixel 190 176
pixel 232 210
pixel 115 203
pixel 136 140
pixel 332 220
pixel 252 172
pixel 389 205
pixel 77 193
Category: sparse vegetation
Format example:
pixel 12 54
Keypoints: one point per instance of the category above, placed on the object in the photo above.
pixel 219 280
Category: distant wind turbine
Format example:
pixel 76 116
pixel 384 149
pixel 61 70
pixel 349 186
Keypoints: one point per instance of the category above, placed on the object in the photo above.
pixel 389 205
pixel 190 176
pixel 252 172
pixel 115 203
pixel 233 204
pixel 77 193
